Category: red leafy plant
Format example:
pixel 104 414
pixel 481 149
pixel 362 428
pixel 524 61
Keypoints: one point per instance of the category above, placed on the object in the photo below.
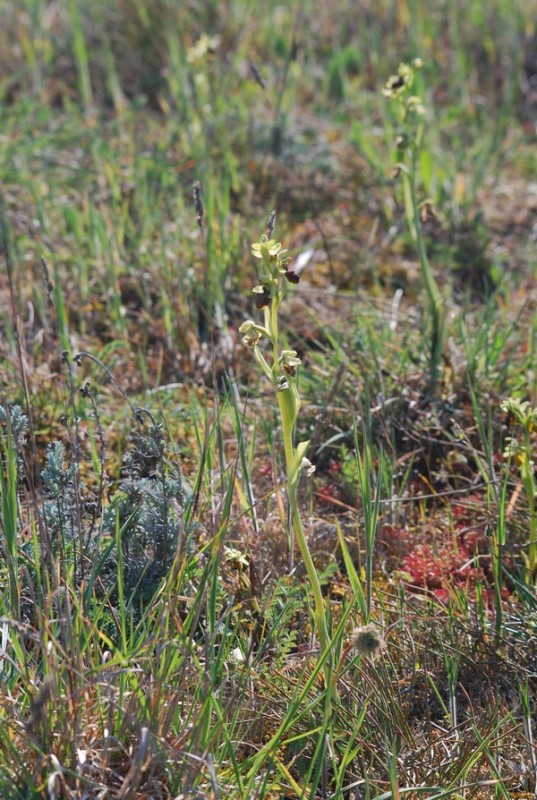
pixel 436 570
pixel 463 565
pixel 436 567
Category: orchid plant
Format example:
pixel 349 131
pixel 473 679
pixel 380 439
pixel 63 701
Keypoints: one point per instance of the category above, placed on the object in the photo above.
pixel 410 114
pixel 523 418
pixel 281 366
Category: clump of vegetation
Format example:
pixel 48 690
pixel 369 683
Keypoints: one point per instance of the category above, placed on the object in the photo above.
pixel 182 613
pixel 138 524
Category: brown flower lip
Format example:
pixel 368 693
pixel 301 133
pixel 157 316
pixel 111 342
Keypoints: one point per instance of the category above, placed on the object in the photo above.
pixel 396 82
pixel 292 276
pixel 262 299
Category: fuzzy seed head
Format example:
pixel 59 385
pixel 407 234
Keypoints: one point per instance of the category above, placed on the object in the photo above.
pixel 368 641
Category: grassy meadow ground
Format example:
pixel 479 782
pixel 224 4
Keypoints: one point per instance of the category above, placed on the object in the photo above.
pixel 161 622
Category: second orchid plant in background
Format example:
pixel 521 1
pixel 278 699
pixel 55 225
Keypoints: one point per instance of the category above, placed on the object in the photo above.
pixel 410 115
pixel 281 366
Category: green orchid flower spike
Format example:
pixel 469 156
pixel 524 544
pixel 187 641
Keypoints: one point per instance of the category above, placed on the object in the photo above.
pixel 522 417
pixel 281 367
pixel 410 113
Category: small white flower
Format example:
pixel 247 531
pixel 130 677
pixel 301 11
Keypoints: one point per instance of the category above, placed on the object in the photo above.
pixel 307 467
pixel 289 361
pixel 238 656
pixel 251 334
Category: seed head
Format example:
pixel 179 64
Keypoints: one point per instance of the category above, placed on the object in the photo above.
pixel 368 641
pixel 271 223
pixel 256 75
pixel 198 202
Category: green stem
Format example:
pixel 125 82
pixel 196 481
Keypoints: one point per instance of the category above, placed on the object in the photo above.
pixel 284 396
pixel 528 481
pixel 288 415
pixel 436 303
pixel 320 611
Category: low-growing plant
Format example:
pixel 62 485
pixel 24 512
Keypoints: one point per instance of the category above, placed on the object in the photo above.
pixel 148 507
pixel 81 525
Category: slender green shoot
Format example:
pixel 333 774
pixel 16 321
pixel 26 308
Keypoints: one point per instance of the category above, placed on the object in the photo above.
pixel 411 112
pixel 9 521
pixel 519 450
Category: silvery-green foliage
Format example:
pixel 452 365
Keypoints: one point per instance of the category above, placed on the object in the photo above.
pixel 58 483
pixel 147 509
pixel 17 422
pixel 16 418
pixel 56 476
